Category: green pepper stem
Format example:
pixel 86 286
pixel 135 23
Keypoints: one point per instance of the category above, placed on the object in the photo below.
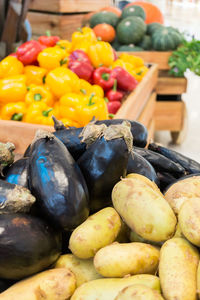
pixel 90 100
pixel 115 85
pixel 111 116
pixel 105 76
pixel 17 117
pixel 83 91
pixel 79 29
pixel 63 61
pixel 44 79
pixel 37 97
pixel 48 33
pixel 106 99
pixel 45 113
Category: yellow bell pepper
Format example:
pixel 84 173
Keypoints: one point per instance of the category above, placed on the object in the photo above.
pixel 83 38
pixel 70 123
pixel 39 113
pixel 13 111
pixel 101 53
pixel 10 66
pixel 125 65
pixel 52 57
pixel 132 59
pixel 69 105
pixel 35 75
pixel 37 94
pixel 139 73
pixel 62 81
pixel 65 45
pixel 97 90
pixel 13 89
pixel 87 89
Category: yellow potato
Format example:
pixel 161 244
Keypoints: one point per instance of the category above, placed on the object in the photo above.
pixel 144 210
pixel 83 269
pixel 189 220
pixel 98 231
pixel 177 269
pixel 118 260
pixel 54 284
pixel 134 237
pixel 144 180
pixel 108 288
pixel 181 191
pixel 138 292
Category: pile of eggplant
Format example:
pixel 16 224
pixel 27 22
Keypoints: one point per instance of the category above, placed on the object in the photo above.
pixel 63 177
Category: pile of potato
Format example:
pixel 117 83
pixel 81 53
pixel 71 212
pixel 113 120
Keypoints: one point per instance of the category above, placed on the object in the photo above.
pixel 145 248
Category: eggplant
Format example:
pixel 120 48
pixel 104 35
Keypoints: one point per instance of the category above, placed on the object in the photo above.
pixel 160 162
pixel 57 182
pixel 6 155
pixel 27 152
pixel 17 173
pixel 138 164
pixel 138 130
pixel 14 198
pixel 27 245
pixel 191 166
pixel 165 179
pixel 5 284
pixel 105 160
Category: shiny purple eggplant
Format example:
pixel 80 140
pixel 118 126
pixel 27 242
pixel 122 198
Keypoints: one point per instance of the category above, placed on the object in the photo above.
pixel 17 173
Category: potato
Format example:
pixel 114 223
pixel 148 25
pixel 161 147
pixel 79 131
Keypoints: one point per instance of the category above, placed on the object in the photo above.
pixel 198 280
pixel 83 269
pixel 138 292
pixel 108 288
pixel 189 220
pixel 145 181
pixel 96 232
pixel 123 235
pixel 118 260
pixel 144 210
pixel 181 191
pixel 178 232
pixel 177 269
pixel 54 284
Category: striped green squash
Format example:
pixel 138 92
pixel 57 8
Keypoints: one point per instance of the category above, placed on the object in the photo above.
pixel 146 42
pixel 133 10
pixel 151 28
pixel 165 39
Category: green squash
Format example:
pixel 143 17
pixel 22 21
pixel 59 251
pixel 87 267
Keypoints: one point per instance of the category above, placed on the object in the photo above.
pixel 131 30
pixel 132 11
pixel 151 28
pixel 130 48
pixel 146 42
pixel 166 39
pixel 104 17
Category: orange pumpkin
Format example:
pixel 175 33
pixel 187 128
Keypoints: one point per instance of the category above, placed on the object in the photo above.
pixel 105 31
pixel 113 9
pixel 153 13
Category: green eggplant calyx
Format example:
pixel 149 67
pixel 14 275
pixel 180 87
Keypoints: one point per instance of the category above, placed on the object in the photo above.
pixel 45 113
pixel 37 97
pixel 17 117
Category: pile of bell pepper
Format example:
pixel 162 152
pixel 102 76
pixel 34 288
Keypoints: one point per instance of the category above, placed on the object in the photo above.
pixel 74 81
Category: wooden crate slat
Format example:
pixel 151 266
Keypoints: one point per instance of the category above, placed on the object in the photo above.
pixel 168 85
pixel 151 130
pixel 148 111
pixel 169 115
pixel 138 98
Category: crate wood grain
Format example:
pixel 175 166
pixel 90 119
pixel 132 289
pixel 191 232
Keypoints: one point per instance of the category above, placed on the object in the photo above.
pixel 169 115
pixel 133 108
pixel 168 85
pixel 151 130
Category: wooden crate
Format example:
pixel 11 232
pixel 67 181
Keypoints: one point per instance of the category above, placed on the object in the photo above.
pixel 138 106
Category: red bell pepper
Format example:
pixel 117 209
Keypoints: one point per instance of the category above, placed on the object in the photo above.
pixel 27 53
pixel 125 81
pixel 48 40
pixel 113 106
pixel 82 69
pixel 80 56
pixel 114 95
pixel 103 77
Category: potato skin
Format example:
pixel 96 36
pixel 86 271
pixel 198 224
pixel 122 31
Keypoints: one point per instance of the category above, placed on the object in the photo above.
pixel 118 260
pixel 180 191
pixel 177 269
pixel 96 232
pixel 138 292
pixel 54 284
pixel 189 220
pixel 83 269
pixel 144 210
pixel 108 288
pixel 145 181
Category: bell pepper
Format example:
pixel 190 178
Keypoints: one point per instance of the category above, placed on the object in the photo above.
pixel 125 81
pixel 83 38
pixel 70 123
pixel 85 87
pixel 53 57
pixel 39 113
pixel 103 77
pixel 125 65
pixel 65 45
pixel 28 52
pixel 82 69
pixel 114 95
pixel 10 66
pixel 13 89
pixel 101 53
pixel 69 106
pixel 35 75
pixel 97 90
pixel 132 59
pixel 39 94
pixel 139 73
pixel 13 111
pixel 80 56
pixel 113 106
pixel 48 40
pixel 62 81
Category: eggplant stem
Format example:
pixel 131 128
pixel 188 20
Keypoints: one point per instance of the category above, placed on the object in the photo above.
pixel 58 125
